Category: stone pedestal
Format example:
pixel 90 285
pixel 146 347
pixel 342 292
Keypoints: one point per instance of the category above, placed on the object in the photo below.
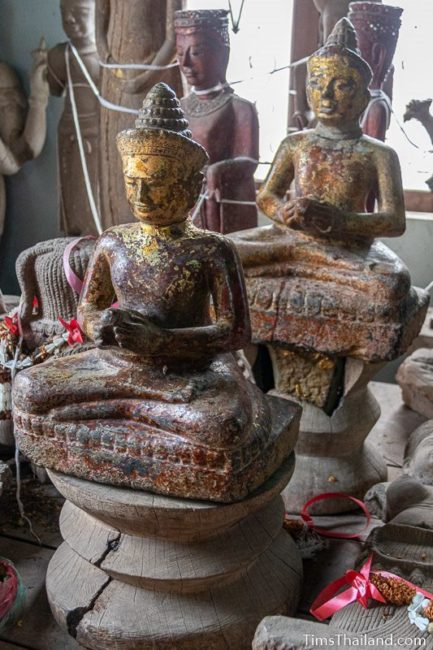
pixel 138 570
pixel 332 454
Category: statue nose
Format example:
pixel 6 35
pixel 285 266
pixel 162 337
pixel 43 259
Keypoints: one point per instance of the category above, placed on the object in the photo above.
pixel 142 190
pixel 328 92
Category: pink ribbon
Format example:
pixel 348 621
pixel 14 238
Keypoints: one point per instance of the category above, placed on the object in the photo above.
pixel 360 589
pixel 8 589
pixel 73 280
pixel 307 518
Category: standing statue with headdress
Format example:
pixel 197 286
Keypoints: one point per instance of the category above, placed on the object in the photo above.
pixel 22 131
pixel 79 199
pixel 377 27
pixel 136 32
pixel 225 124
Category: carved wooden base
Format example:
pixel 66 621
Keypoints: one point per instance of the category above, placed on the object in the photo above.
pixel 332 455
pixel 138 570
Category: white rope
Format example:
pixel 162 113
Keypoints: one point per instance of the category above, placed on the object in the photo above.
pixel 104 102
pixel 201 200
pixel 21 510
pixel 429 286
pixel 90 196
pixel 137 66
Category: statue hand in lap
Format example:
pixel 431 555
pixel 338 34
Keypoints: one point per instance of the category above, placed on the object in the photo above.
pixel 131 330
pixel 311 215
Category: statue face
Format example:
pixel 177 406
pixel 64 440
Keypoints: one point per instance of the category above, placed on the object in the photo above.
pixel 158 189
pixel 202 61
pixel 336 91
pixel 78 18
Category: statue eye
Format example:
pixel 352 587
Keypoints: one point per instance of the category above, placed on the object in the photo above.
pixel 314 83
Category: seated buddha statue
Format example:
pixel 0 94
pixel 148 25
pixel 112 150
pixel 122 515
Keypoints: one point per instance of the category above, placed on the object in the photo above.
pixel 225 124
pixel 160 403
pixel 318 278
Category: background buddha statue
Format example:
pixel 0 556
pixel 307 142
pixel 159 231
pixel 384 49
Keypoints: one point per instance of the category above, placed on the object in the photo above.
pixel 377 26
pixel 132 32
pixel 160 403
pixel 22 128
pixel 323 233
pixel 327 299
pixel 225 124
pixel 78 20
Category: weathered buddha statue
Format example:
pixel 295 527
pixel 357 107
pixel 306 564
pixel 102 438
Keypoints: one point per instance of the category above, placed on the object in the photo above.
pixel 318 279
pixel 160 403
pixel 377 26
pixel 225 124
pixel 78 20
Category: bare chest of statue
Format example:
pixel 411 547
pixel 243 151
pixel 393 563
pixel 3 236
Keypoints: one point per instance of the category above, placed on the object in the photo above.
pixel 165 280
pixel 341 173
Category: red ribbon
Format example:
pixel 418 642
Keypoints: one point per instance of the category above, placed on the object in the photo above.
pixel 12 324
pixel 74 330
pixel 307 518
pixel 361 589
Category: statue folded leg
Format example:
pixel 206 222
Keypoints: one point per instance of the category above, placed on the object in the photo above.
pixel 127 422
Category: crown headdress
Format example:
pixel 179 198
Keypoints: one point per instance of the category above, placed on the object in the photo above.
pixel 214 21
pixel 162 129
pixel 343 41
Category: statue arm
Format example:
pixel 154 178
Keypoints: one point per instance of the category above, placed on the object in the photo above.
pixel 8 162
pixel 390 219
pixel 31 141
pixel 232 329
pixel 57 70
pixel 163 56
pixel 271 198
pixel 102 21
pixel 244 154
pixel 97 295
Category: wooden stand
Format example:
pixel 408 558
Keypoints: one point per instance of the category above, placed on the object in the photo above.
pixel 138 570
pixel 331 452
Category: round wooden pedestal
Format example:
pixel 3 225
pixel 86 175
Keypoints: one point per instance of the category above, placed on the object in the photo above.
pixel 138 570
pixel 332 455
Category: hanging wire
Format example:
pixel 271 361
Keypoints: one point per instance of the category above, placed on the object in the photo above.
pixel 235 23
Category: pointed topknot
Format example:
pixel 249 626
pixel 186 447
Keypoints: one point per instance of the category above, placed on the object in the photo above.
pixel 161 110
pixel 344 36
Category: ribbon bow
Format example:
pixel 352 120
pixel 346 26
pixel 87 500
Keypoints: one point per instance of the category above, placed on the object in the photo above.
pixel 360 589
pixel 74 331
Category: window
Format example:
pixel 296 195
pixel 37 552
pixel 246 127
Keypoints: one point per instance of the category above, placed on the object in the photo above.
pixel 261 45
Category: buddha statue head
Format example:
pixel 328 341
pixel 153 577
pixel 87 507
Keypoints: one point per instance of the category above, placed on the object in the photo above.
pixel 377 27
pixel 13 104
pixel 161 163
pixel 203 46
pixel 338 79
pixel 78 19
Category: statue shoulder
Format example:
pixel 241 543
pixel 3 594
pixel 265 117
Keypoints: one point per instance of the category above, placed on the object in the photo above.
pixel 243 106
pixel 56 56
pixel 378 149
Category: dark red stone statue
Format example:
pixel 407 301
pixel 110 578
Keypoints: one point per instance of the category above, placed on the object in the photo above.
pixel 223 123
pixel 377 27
